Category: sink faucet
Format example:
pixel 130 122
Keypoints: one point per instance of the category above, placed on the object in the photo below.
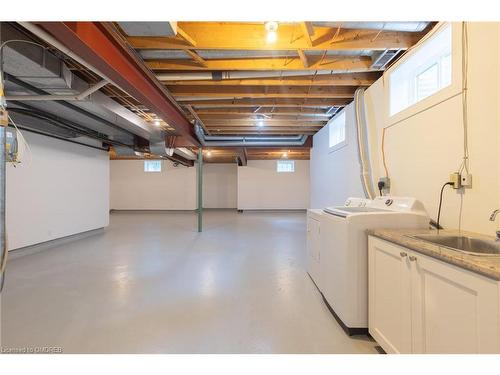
pixel 493 216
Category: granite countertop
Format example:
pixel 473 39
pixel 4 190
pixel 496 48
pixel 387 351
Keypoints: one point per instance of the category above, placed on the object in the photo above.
pixel 486 265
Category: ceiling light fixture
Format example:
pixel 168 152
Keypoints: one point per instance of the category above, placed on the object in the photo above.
pixel 260 123
pixel 209 153
pixel 272 31
pixel 285 155
pixel 157 122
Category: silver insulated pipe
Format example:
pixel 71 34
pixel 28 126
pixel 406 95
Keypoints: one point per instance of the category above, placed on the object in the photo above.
pixel 224 141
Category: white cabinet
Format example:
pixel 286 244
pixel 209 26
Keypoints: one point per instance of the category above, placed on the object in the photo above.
pixel 389 309
pixel 313 248
pixel 418 304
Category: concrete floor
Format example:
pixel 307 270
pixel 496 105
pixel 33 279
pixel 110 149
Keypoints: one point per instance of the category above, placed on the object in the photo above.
pixel 150 283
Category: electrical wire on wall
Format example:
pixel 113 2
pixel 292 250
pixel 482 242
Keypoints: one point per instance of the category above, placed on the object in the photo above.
pixel 363 154
pixel 464 166
pixel 384 162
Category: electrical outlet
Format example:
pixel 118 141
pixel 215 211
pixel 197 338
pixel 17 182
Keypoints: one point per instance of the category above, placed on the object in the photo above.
pixel 456 180
pixel 466 180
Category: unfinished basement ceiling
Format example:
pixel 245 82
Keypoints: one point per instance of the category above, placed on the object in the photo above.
pixel 231 80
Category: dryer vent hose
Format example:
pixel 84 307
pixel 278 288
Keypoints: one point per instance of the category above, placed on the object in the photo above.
pixel 363 154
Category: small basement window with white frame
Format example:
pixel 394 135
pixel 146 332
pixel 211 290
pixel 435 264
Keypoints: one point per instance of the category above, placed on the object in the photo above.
pixel 152 165
pixel 424 73
pixel 285 166
pixel 337 131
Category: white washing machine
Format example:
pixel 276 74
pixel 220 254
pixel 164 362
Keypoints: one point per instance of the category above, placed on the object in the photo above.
pixel 344 252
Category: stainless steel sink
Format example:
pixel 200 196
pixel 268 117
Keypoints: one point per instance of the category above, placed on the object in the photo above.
pixel 470 245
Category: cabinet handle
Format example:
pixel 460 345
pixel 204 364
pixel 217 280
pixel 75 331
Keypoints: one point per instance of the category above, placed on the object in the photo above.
pixel 412 258
pixel 403 254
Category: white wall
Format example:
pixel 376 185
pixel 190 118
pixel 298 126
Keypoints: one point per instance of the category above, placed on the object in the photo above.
pixel 220 185
pixel 63 191
pixel 174 188
pixel 335 175
pixel 424 149
pixel 261 187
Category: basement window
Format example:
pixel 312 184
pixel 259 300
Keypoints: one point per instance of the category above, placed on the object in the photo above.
pixel 285 166
pixel 423 74
pixel 152 165
pixel 337 132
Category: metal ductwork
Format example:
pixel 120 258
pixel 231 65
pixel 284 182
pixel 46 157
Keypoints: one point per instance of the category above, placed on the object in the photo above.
pixel 363 149
pixel 158 146
pixel 224 141
pixel 45 96
pixel 382 58
pixel 149 28
pixel 408 26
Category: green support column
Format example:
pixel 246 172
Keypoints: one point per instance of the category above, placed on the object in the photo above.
pixel 200 189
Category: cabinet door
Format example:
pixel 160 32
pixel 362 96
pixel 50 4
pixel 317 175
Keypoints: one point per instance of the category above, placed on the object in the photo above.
pixel 389 311
pixel 453 310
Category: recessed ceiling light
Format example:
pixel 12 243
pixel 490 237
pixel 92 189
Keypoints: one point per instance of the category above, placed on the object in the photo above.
pixel 285 155
pixel 157 122
pixel 209 153
pixel 260 123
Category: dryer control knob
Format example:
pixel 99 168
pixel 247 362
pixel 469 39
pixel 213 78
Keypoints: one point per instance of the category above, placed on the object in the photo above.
pixel 388 202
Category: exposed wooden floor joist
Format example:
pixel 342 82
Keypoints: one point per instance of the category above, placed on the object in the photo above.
pixel 252 36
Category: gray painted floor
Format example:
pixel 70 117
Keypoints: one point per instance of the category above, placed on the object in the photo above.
pixel 151 284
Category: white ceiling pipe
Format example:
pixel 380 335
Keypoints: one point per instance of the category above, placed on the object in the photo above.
pixel 203 76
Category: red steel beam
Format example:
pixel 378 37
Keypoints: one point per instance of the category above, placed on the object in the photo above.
pixel 93 43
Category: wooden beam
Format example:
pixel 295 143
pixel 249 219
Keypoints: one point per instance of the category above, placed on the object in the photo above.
pixel 255 130
pixel 274 112
pixel 308 31
pixel 303 58
pixel 266 132
pixel 185 36
pixel 252 36
pixel 343 63
pixel 187 92
pixel 220 122
pixel 342 79
pixel 196 57
pixel 254 118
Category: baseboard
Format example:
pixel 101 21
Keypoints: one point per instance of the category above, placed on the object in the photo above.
pixel 170 211
pixel 301 210
pixel 147 211
pixel 36 248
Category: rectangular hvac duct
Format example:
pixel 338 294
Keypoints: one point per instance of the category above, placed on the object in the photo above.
pixel 149 28
pixel 31 63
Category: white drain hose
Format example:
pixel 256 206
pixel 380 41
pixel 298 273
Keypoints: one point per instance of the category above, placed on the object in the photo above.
pixel 364 158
